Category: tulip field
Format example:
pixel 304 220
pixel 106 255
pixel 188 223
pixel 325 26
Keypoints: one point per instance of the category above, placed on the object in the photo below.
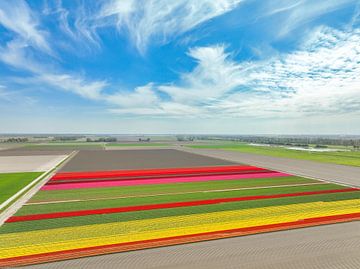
pixel 78 214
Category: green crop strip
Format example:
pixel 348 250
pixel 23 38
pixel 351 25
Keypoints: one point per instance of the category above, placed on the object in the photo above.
pixel 11 183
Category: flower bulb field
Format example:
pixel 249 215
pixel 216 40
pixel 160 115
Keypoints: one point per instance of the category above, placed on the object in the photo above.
pixel 145 200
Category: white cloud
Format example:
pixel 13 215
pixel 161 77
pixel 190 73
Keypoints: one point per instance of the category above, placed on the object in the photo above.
pixel 76 28
pixel 322 77
pixel 214 75
pixel 142 97
pixel 15 54
pixel 161 20
pixel 4 94
pixel 75 84
pixel 298 13
pixel 16 16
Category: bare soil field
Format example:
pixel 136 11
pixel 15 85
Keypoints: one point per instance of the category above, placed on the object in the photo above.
pixel 31 152
pixel 10 164
pixel 97 160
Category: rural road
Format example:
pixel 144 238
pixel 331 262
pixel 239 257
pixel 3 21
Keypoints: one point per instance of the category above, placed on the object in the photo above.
pixel 329 246
pixel 348 175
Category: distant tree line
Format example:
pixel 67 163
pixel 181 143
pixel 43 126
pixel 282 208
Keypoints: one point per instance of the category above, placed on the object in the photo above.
pixel 303 141
pixel 67 138
pixel 144 139
pixel 16 140
pixel 102 139
pixel 185 138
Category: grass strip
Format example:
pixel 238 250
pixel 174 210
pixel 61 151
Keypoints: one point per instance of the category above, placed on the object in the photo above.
pixel 11 183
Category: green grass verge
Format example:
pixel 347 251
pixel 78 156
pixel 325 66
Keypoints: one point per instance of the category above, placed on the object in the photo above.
pixel 11 183
pixel 138 215
pixel 140 144
pixel 341 157
pixel 74 206
pixel 153 189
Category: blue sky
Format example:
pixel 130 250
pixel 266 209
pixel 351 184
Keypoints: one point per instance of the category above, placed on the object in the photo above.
pixel 181 66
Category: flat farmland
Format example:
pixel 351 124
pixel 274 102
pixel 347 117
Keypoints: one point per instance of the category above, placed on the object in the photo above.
pixel 351 158
pixel 94 160
pixel 138 144
pixel 104 202
pixel 11 183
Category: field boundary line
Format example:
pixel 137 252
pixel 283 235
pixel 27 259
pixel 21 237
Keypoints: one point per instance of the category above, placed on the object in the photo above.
pixel 30 190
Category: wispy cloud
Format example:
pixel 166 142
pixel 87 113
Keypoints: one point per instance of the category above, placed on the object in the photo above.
pixel 322 77
pixel 161 20
pixel 11 97
pixel 214 75
pixel 16 54
pixel 76 27
pixel 16 16
pixel 4 94
pixel 301 12
pixel 19 52
pixel 75 84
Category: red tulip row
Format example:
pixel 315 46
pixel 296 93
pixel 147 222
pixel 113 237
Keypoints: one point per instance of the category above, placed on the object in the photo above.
pixel 155 172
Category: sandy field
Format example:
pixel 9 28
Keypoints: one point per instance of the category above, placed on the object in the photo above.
pixel 12 164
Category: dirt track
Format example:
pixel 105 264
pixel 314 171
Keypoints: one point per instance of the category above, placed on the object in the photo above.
pixel 94 160
pixel 326 171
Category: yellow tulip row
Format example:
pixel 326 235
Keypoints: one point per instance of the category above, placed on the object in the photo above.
pixel 36 242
